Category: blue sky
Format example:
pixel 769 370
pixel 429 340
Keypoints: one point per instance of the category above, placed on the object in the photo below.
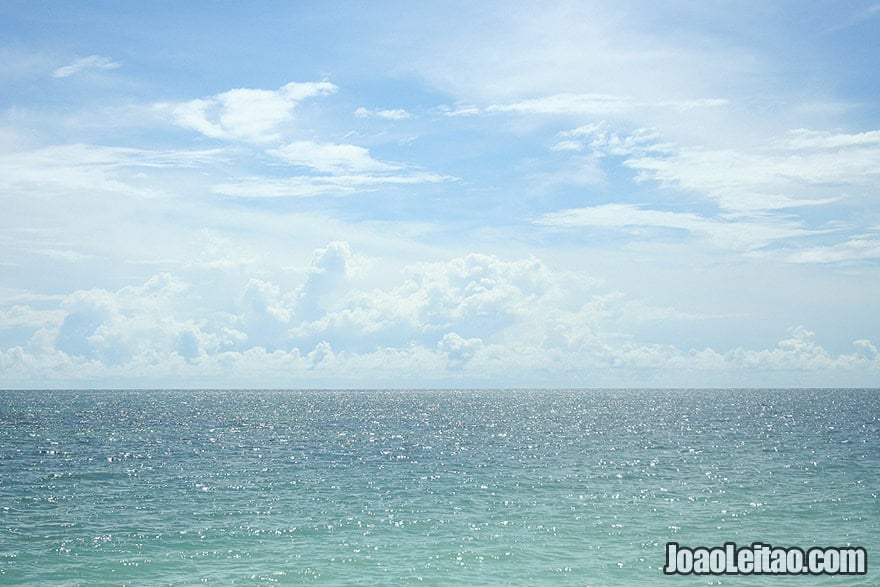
pixel 342 194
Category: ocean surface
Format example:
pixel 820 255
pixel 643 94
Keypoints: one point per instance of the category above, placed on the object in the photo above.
pixel 507 487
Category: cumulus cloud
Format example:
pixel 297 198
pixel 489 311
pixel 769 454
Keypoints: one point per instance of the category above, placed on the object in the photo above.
pixel 602 140
pixel 328 270
pixel 92 62
pixel 113 327
pixel 458 350
pixel 799 352
pixel 245 113
pixel 263 315
pixel 476 317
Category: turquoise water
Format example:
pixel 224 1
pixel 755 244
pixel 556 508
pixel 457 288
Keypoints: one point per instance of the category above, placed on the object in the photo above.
pixel 427 487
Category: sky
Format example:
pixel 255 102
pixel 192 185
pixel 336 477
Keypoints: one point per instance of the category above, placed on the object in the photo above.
pixel 439 194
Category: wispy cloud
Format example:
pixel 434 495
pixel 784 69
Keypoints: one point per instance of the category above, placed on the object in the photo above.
pixel 395 114
pixel 597 104
pixel 758 189
pixel 92 62
pixel 734 234
pixel 330 169
pixel 803 139
pixel 857 249
pixel 751 186
pixel 801 168
pixel 89 168
pixel 461 110
pixel 330 157
pixel 309 186
pixel 858 18
pixel 317 168
pixel 804 169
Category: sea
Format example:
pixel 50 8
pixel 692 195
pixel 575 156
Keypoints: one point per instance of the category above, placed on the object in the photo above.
pixel 429 487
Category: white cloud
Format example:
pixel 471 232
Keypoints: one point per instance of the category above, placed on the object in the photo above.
pixel 393 114
pixel 92 62
pixel 246 114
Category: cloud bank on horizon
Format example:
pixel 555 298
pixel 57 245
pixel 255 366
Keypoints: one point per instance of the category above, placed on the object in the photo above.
pixel 335 195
